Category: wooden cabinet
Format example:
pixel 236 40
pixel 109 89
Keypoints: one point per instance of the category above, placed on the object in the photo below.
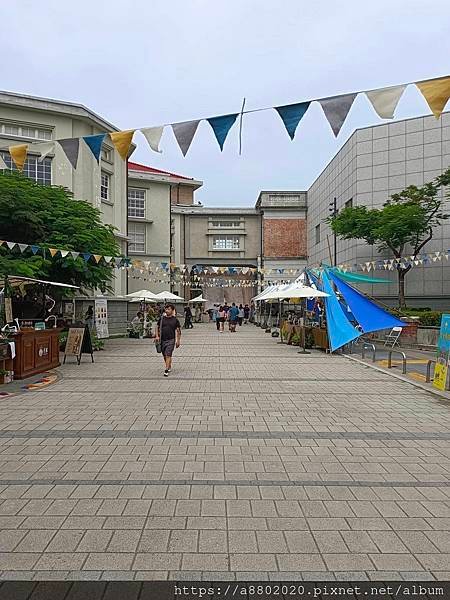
pixel 36 352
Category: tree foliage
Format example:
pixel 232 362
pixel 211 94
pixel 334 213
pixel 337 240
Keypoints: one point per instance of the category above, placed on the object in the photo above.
pixel 50 217
pixel 403 225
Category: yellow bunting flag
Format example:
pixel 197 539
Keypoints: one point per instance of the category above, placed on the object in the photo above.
pixel 53 251
pixel 436 92
pixel 122 141
pixel 97 257
pixel 19 155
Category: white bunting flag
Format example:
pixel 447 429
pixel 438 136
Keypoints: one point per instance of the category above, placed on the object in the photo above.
pixel 385 100
pixel 3 165
pixel 44 148
pixel 153 136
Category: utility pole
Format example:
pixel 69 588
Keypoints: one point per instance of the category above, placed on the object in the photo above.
pixel 334 211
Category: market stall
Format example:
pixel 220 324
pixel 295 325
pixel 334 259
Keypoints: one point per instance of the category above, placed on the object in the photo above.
pixel 28 346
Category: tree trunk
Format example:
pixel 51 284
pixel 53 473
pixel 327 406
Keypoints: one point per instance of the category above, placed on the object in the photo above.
pixel 401 287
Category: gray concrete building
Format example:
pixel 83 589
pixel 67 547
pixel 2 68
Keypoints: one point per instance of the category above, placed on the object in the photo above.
pixel 374 163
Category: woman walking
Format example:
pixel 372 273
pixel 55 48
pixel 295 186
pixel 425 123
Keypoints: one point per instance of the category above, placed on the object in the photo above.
pixel 221 320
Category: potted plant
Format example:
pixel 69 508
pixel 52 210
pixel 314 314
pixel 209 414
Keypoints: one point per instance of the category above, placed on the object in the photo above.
pixel 6 376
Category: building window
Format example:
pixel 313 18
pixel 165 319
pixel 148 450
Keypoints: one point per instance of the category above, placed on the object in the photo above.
pixel 106 154
pixel 136 203
pixel 317 231
pixel 225 224
pixel 136 233
pixel 104 186
pixel 34 133
pixel 39 171
pixel 349 203
pixel 226 242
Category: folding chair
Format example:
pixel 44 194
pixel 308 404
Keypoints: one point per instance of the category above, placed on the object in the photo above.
pixel 393 337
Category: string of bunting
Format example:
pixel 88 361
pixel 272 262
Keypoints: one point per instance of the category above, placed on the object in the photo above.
pixel 212 276
pixel 391 264
pixel 335 108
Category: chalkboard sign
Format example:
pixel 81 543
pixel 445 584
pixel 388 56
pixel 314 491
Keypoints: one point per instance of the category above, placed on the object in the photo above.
pixel 78 342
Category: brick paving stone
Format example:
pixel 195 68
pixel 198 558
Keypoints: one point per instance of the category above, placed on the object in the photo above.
pixel 260 462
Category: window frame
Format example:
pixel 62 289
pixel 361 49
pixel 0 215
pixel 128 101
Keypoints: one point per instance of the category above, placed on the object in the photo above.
pixel 225 224
pixel 38 171
pixel 133 232
pixel 28 127
pixel 135 208
pixel 317 233
pixel 107 176
pixel 225 246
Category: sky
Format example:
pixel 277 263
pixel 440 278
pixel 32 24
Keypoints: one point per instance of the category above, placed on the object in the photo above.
pixel 141 63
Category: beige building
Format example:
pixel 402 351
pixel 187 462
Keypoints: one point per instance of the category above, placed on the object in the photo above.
pixel 151 195
pixel 27 119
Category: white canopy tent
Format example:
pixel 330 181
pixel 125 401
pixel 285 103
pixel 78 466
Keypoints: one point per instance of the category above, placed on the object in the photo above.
pixel 198 299
pixel 295 290
pixel 145 295
pixel 163 296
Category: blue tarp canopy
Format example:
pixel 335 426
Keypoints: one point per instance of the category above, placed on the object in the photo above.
pixel 340 330
pixel 368 314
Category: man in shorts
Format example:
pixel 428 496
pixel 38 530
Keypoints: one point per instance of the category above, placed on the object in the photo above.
pixel 168 332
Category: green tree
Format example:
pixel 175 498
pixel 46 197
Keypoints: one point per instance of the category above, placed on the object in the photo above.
pixel 49 217
pixel 403 226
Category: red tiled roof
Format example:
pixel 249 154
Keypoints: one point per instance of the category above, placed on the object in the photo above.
pixel 143 168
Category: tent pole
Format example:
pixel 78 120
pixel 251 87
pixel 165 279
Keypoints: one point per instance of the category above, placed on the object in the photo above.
pixel 304 350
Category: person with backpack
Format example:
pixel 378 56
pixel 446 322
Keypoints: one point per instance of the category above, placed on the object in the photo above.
pixel 168 334
pixel 233 315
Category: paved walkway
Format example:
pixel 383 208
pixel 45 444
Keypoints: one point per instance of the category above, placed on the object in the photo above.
pixel 251 460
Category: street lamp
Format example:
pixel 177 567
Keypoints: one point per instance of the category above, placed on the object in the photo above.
pixel 334 211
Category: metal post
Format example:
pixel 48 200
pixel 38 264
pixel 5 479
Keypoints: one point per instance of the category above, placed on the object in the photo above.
pixel 334 211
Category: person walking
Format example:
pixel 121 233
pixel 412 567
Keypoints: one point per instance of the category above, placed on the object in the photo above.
pixel 221 320
pixel 246 313
pixel 215 316
pixel 168 332
pixel 188 318
pixel 241 315
pixel 233 315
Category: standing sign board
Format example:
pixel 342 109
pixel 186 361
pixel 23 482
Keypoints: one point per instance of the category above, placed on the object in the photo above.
pixel 441 370
pixel 101 317
pixel 78 342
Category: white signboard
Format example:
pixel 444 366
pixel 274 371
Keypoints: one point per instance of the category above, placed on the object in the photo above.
pixel 101 317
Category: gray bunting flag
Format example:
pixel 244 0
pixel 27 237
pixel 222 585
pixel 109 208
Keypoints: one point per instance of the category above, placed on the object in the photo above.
pixel 71 147
pixel 336 110
pixel 184 133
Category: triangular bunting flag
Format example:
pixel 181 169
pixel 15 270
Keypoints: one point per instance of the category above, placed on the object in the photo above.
pixel 153 136
pixel 3 165
pixel 94 143
pixel 53 251
pixel 107 259
pixel 122 141
pixel 336 110
pixel 75 255
pixel 184 134
pixel 385 100
pixel 34 249
pixel 97 257
pixel 291 115
pixel 44 148
pixel 436 92
pixel 19 155
pixel 64 253
pixel 11 245
pixel 86 255
pixel 23 247
pixel 71 147
pixel 221 126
